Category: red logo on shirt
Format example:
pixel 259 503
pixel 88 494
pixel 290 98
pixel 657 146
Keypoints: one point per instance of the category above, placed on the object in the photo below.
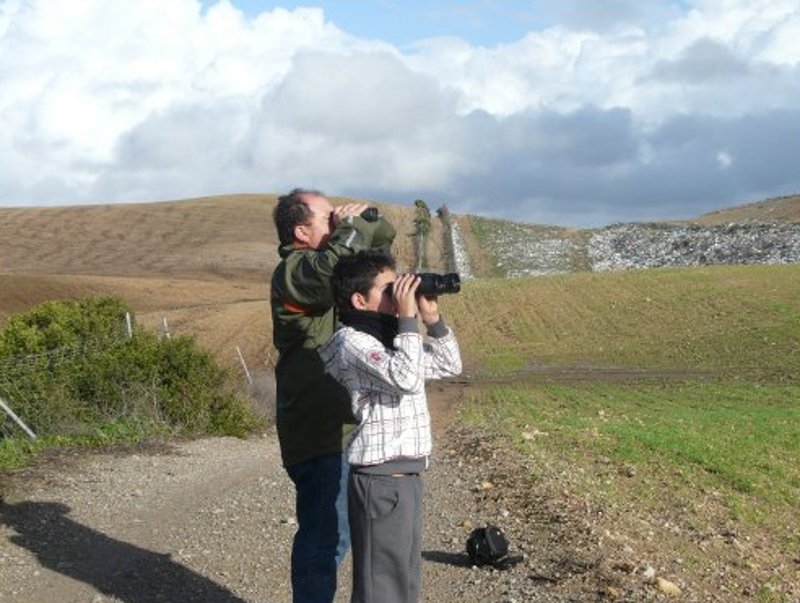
pixel 376 357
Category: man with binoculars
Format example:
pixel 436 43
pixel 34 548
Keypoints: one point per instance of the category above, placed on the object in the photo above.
pixel 311 407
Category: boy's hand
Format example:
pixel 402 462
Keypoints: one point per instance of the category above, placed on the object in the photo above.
pixel 429 309
pixel 404 291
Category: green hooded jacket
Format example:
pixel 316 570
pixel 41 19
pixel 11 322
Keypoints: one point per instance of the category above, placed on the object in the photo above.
pixel 311 407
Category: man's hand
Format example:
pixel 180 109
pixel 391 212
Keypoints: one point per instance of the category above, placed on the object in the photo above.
pixel 340 212
pixel 429 309
pixel 404 291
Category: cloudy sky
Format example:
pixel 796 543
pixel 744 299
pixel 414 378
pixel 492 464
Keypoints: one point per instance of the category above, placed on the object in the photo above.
pixel 568 112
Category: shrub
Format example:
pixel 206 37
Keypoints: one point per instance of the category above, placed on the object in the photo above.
pixel 70 368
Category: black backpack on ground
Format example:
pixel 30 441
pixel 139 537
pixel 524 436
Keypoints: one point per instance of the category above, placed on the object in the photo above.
pixel 487 546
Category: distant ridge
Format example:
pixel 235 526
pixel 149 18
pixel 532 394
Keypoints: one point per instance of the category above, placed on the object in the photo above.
pixel 203 264
pixel 767 232
pixel 776 209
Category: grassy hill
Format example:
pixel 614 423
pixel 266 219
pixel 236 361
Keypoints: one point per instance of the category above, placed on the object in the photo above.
pixel 733 321
pixel 661 404
pixel 214 238
pixel 779 209
pixel 203 265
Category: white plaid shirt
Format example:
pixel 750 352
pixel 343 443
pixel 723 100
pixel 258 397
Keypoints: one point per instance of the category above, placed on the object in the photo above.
pixel 387 390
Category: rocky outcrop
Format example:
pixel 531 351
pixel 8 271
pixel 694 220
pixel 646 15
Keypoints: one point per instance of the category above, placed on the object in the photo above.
pixel 529 250
pixel 633 246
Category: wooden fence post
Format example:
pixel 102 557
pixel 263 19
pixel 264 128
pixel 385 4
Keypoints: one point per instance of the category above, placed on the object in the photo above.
pixel 244 365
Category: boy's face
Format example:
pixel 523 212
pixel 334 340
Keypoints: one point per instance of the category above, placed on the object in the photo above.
pixel 379 298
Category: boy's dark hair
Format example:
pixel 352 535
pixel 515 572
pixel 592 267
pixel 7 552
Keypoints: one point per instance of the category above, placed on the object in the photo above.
pixel 292 211
pixel 356 274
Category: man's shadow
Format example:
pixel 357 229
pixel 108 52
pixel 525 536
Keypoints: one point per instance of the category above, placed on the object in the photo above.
pixel 447 558
pixel 115 568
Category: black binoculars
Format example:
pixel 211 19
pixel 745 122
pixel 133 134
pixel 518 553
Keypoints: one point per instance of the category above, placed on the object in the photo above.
pixel 371 214
pixel 432 283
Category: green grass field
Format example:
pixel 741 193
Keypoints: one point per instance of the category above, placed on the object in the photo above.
pixel 741 322
pixel 675 392
pixel 685 378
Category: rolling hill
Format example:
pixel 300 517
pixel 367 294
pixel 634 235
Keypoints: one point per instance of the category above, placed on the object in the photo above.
pixel 779 209
pixel 203 264
pixel 656 410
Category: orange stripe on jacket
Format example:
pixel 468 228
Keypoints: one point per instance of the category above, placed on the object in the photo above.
pixel 294 309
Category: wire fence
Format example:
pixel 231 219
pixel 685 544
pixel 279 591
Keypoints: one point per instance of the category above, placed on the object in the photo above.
pixel 26 380
pixel 22 377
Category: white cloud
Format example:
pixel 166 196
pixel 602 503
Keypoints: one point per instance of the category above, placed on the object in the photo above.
pixel 329 95
pixel 721 49
pixel 141 99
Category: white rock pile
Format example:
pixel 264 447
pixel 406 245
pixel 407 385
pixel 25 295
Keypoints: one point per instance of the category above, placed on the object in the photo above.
pixel 524 250
pixel 635 246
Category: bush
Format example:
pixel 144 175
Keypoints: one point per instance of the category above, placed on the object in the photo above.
pixel 71 369
pixel 61 324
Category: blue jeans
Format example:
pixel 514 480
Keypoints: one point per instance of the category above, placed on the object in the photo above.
pixel 323 534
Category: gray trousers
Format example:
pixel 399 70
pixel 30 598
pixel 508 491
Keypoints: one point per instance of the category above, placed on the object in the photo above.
pixel 385 515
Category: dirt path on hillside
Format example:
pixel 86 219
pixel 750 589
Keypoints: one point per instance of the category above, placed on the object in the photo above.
pixel 212 521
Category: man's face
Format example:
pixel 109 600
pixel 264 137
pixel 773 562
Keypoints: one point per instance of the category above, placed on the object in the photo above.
pixel 379 298
pixel 314 233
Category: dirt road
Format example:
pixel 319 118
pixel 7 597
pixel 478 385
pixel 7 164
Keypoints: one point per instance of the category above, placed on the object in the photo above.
pixel 212 521
pixel 208 520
